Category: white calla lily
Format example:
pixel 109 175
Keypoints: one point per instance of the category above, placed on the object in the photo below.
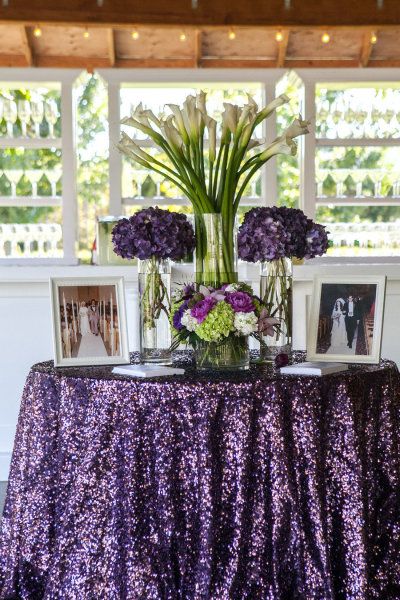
pixel 282 145
pixel 297 127
pixel 211 125
pixel 230 116
pixel 179 122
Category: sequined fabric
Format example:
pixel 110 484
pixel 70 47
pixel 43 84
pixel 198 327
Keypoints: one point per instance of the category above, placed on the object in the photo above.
pixel 244 486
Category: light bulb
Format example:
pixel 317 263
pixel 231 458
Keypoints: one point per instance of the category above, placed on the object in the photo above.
pixel 182 37
pixel 231 35
pixel 37 32
pixel 86 34
pixel 135 34
pixel 325 38
pixel 374 38
pixel 279 36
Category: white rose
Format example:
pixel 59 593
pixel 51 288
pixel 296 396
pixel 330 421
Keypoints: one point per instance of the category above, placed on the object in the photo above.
pixel 245 323
pixel 189 321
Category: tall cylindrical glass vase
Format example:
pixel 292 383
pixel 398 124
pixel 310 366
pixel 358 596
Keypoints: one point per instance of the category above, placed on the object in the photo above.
pixel 276 285
pixel 154 305
pixel 216 254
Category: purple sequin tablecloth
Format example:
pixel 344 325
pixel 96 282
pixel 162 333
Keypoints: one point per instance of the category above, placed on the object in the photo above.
pixel 250 486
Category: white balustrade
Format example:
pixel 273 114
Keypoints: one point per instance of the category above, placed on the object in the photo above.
pixel 30 240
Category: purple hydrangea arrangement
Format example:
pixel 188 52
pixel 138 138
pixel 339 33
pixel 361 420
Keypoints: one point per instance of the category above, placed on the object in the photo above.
pixel 270 233
pixel 153 232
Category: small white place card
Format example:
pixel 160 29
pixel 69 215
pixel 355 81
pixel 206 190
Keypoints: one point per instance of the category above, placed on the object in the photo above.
pixel 147 370
pixel 314 368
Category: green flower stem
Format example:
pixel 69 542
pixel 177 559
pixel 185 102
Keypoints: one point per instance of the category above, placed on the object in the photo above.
pixel 277 298
pixel 155 296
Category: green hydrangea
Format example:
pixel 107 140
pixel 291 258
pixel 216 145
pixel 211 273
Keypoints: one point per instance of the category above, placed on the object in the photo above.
pixel 218 324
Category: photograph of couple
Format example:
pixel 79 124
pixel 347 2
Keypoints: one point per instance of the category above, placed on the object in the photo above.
pixel 346 319
pixel 89 321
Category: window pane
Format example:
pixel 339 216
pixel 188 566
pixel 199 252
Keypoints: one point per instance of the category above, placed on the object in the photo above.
pixel 30 232
pixel 347 111
pixel 362 231
pixel 357 173
pixel 30 112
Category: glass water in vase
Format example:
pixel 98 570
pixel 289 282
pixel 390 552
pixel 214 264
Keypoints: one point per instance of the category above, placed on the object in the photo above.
pixel 154 306
pixel 215 254
pixel 232 354
pixel 276 291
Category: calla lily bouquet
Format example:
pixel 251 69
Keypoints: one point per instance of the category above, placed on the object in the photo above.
pixel 212 163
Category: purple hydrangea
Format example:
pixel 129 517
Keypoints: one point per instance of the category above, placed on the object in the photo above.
pixel 269 233
pixel 240 302
pixel 261 237
pixel 202 308
pixel 177 318
pixel 154 232
pixel 317 240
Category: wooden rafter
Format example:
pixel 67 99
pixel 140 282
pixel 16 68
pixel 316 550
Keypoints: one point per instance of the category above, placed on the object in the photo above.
pixel 366 48
pixel 198 46
pixel 282 48
pixel 111 47
pixel 209 12
pixel 26 47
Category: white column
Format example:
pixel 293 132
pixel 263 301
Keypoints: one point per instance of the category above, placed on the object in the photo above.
pixel 115 162
pixel 69 195
pixel 307 152
pixel 269 173
pixel 111 325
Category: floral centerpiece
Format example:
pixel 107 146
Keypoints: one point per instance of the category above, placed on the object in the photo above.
pixel 273 236
pixel 217 323
pixel 212 163
pixel 154 236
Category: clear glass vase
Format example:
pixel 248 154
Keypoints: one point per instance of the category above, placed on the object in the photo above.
pixel 232 354
pixel 154 306
pixel 216 254
pixel 276 285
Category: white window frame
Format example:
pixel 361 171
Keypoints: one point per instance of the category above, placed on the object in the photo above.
pixel 67 143
pixel 115 78
pixel 309 144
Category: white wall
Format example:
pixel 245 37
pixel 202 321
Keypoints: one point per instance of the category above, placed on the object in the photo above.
pixel 25 322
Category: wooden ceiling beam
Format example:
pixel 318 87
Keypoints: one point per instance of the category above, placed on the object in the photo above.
pixel 282 49
pixel 111 47
pixel 209 12
pixel 198 47
pixel 26 47
pixel 366 48
pixel 237 63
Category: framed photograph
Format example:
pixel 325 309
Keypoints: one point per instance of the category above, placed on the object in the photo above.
pixel 346 319
pixel 89 321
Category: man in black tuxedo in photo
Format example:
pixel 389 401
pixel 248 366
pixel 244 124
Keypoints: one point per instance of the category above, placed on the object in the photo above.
pixel 352 312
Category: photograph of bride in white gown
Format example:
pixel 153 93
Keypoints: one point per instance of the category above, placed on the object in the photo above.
pixel 89 321
pixel 346 319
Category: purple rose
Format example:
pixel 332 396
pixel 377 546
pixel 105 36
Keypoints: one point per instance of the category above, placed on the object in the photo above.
pixel 240 302
pixel 202 308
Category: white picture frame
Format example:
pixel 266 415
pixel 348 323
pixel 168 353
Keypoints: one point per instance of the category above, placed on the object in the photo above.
pixel 342 306
pixel 106 342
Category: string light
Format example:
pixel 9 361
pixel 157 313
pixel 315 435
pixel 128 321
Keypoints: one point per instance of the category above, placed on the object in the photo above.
pixel 135 34
pixel 37 32
pixel 279 36
pixel 374 38
pixel 182 36
pixel 231 34
pixel 86 34
pixel 325 38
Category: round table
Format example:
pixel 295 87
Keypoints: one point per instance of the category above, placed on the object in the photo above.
pixel 242 486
